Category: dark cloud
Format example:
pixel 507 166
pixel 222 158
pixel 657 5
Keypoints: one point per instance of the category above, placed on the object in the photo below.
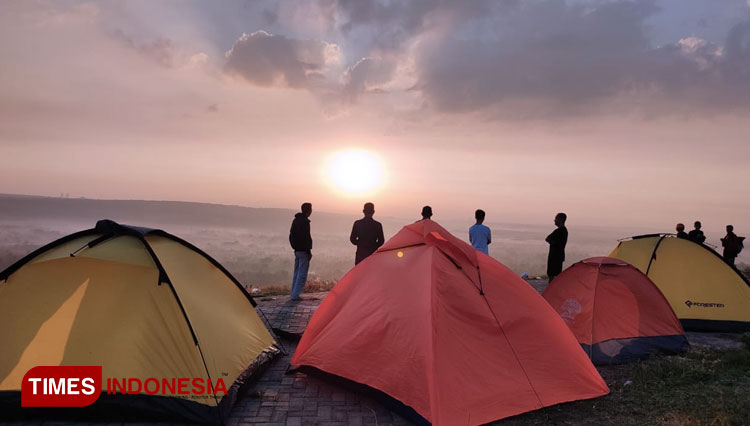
pixel 386 26
pixel 270 16
pixel 527 59
pixel 552 58
pixel 274 60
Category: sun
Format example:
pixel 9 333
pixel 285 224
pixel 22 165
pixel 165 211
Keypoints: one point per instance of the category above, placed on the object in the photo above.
pixel 355 172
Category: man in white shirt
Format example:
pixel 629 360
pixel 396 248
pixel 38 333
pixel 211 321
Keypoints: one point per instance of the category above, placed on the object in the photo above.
pixel 480 235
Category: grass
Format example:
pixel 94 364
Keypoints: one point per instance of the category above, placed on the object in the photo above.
pixel 702 387
pixel 314 286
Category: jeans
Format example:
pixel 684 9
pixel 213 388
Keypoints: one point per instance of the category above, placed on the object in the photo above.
pixel 299 278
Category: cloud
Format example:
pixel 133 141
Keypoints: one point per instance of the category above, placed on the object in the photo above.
pixel 552 58
pixel 159 50
pixel 535 59
pixel 270 60
pixel 369 75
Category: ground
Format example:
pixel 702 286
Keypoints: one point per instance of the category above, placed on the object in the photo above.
pixel 708 386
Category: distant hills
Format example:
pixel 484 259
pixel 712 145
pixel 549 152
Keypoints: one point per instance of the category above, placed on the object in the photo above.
pixel 159 213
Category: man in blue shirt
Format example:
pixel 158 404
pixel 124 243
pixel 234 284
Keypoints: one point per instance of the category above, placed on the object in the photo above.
pixel 480 235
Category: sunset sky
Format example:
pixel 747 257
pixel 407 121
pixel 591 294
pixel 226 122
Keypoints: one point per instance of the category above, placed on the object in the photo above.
pixel 617 112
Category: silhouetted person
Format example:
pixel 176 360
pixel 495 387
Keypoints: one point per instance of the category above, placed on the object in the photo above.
pixel 696 234
pixel 426 212
pixel 732 245
pixel 301 241
pixel 367 234
pixel 680 228
pixel 557 241
pixel 480 235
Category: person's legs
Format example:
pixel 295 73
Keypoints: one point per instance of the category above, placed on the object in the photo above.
pixel 301 265
pixel 296 269
pixel 553 269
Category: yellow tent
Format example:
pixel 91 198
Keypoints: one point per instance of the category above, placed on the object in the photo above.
pixel 705 292
pixel 140 303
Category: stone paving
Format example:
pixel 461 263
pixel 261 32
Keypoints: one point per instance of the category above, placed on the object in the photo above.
pixel 298 399
pixel 289 318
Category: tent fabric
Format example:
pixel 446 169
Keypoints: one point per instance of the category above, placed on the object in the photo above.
pixel 447 331
pixel 706 293
pixel 141 305
pixel 615 311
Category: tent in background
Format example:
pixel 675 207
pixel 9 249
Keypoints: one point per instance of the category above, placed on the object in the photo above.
pixel 614 310
pixel 705 292
pixel 142 304
pixel 449 333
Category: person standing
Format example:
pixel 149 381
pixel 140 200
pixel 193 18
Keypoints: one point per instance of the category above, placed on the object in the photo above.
pixel 479 234
pixel 426 213
pixel 696 235
pixel 731 244
pixel 680 228
pixel 557 241
pixel 367 234
pixel 301 242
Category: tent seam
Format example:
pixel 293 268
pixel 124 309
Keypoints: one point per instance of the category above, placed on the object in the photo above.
pixel 515 355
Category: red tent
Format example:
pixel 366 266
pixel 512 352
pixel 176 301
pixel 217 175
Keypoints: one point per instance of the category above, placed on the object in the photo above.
pixel 447 331
pixel 615 311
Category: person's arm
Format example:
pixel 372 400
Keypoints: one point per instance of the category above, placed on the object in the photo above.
pixel 354 237
pixel 381 237
pixel 471 238
pixel 292 235
pixel 489 236
pixel 309 238
pixel 551 237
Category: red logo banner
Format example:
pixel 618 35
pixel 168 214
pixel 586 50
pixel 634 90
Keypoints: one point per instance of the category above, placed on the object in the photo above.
pixel 61 386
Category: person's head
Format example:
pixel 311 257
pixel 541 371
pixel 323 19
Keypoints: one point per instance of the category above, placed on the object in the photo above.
pixel 697 224
pixel 369 209
pixel 479 215
pixel 680 227
pixel 560 219
pixel 426 212
pixel 306 209
pixel 730 228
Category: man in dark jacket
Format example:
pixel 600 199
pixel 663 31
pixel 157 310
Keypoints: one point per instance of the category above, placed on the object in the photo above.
pixel 731 243
pixel 301 241
pixel 696 235
pixel 367 234
pixel 557 241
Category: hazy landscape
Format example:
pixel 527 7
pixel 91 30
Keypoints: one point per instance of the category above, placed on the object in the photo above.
pixel 252 242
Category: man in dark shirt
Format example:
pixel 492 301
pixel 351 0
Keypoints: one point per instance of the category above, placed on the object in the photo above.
pixel 696 234
pixel 367 234
pixel 680 228
pixel 731 243
pixel 426 213
pixel 557 241
pixel 301 242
